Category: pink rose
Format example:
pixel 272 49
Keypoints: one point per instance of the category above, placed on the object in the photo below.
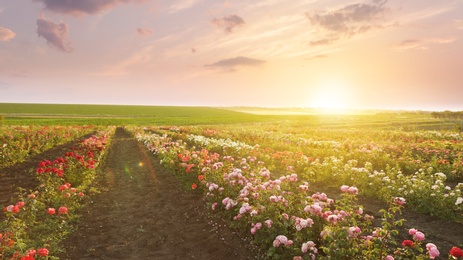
pixel 344 188
pixel 418 236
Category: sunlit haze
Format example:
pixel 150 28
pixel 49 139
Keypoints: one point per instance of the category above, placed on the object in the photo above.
pixel 328 54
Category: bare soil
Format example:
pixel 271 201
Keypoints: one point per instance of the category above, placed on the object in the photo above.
pixel 143 213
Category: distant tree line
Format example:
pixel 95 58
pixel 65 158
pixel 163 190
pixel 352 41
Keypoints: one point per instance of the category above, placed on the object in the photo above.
pixel 449 115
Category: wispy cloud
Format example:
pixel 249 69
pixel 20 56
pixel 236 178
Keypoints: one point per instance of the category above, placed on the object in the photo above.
pixel 421 44
pixel 121 68
pixel 83 7
pixel 183 5
pixel 347 21
pixel 228 23
pixel 459 24
pixel 54 33
pixel 6 34
pixel 233 63
pixel 144 31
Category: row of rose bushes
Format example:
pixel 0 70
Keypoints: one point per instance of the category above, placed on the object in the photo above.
pixel 407 151
pixel 35 225
pixel 426 190
pixel 283 217
pixel 20 142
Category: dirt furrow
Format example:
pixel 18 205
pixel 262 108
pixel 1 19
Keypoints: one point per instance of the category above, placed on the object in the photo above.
pixel 142 213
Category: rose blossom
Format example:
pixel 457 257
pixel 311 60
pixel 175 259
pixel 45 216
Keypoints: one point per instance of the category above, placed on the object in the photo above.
pixel 433 252
pixel 408 243
pixel 456 252
pixel 418 236
pixel 62 210
pixel 51 211
pixel 344 188
pixel 42 251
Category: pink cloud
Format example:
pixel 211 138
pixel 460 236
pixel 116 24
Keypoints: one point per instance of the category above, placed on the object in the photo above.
pixel 144 31
pixel 54 33
pixel 83 7
pixel 6 34
pixel 228 23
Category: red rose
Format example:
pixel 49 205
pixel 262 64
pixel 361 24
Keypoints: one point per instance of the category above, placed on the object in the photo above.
pixel 42 251
pixel 63 210
pixel 51 211
pixel 408 243
pixel 194 186
pixel 20 204
pixel 456 252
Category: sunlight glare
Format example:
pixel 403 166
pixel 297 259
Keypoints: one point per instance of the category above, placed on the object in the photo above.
pixel 330 94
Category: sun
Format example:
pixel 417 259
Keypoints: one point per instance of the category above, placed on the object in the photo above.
pixel 331 94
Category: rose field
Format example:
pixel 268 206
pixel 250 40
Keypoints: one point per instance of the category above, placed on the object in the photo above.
pixel 203 183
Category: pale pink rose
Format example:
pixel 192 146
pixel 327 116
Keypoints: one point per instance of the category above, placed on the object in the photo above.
pixel 344 188
pixel 418 236
pixel 276 243
pixel 289 243
pixel 412 231
pixel 322 197
pixel 283 239
pixel 258 225
pixel 389 258
pixel 430 245
pixel 433 252
pixel 253 230
pixel 285 216
pixel 268 222
pixel 353 190
pixel 293 177
pixel 332 218
pixel 214 205
pixel 304 248
pixel 399 201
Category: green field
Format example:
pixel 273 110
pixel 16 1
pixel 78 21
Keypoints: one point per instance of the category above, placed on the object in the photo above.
pixel 66 114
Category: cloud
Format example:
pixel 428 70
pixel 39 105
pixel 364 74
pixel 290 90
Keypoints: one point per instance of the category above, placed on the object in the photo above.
pixel 82 7
pixel 182 5
pixel 228 23
pixel 422 44
pixel 347 21
pixel 144 31
pixel 6 34
pixel 54 33
pixel 459 24
pixel 232 63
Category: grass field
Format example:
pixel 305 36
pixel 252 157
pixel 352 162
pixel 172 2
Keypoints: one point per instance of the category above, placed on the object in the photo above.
pixel 66 114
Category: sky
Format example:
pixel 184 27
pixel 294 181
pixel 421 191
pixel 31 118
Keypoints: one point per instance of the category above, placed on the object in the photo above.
pixel 339 54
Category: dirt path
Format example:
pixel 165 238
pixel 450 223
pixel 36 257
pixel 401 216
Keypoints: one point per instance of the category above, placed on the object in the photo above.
pixel 143 213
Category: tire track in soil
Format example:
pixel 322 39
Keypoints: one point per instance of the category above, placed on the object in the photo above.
pixel 143 213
